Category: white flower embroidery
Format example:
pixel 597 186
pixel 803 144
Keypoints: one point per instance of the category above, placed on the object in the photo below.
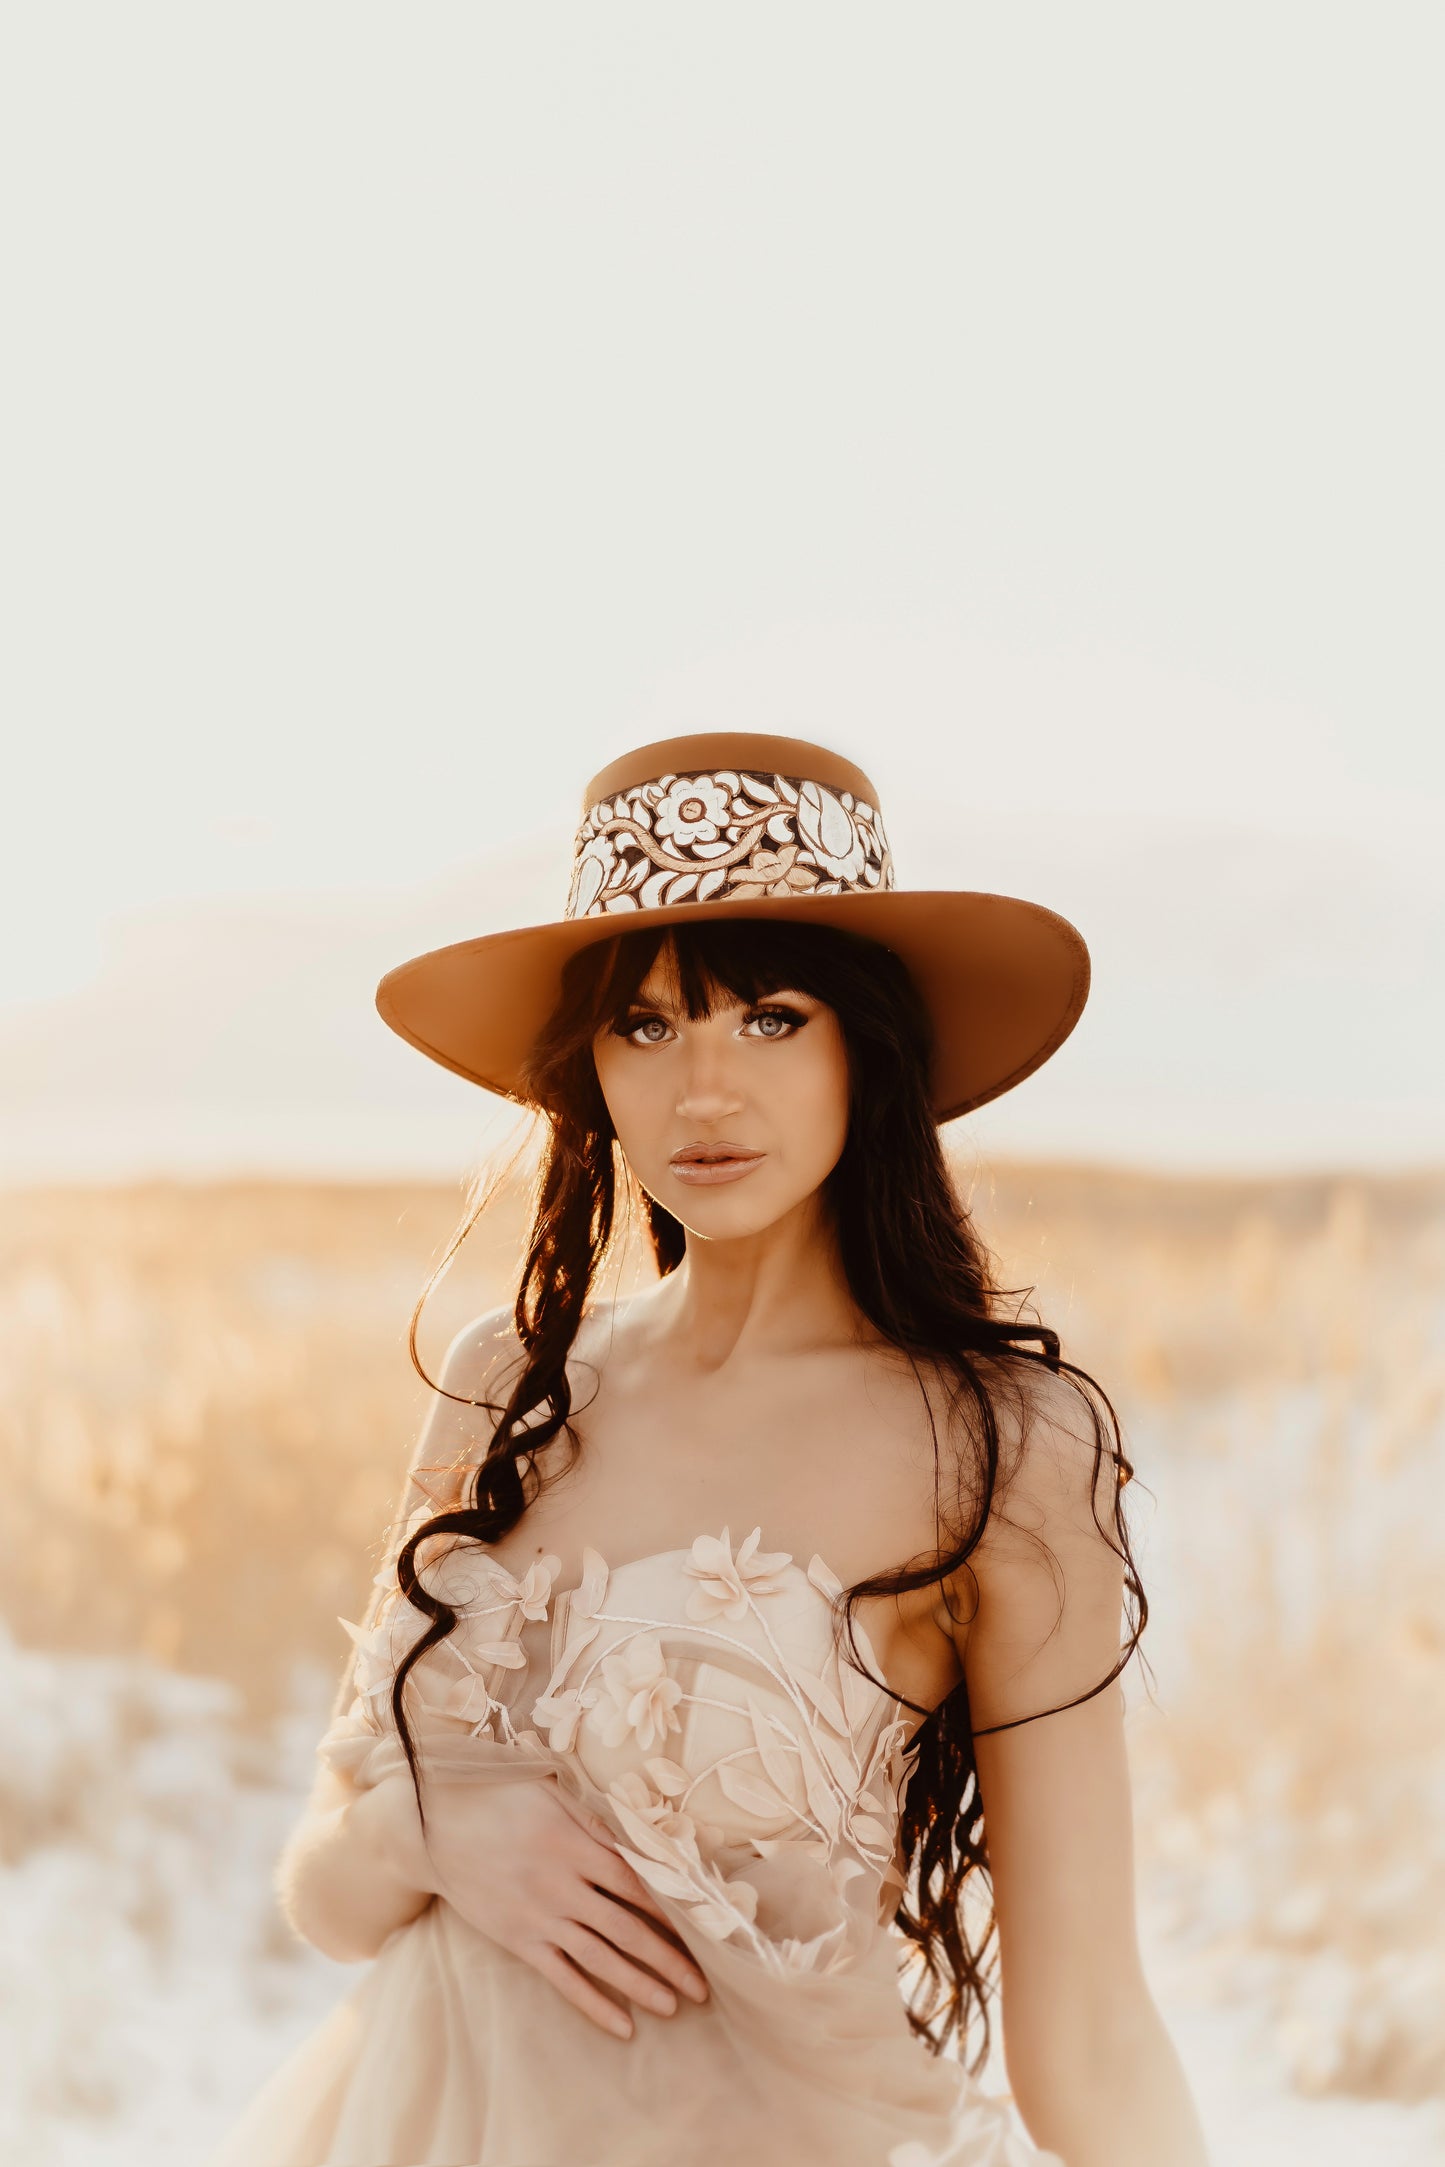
pixel 692 810
pixel 830 832
pixel 727 1584
pixel 640 1696
pixel 595 866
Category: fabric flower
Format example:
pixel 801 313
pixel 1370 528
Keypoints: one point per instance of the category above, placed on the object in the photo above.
pixel 371 1672
pixel 773 872
pixel 635 1793
pixel 727 1584
pixel 465 1699
pixel 640 1696
pixel 691 810
pixel 560 1714
pixel 531 1594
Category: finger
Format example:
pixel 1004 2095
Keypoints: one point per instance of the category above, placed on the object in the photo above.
pixel 610 1871
pixel 605 1868
pixel 637 1939
pixel 602 1960
pixel 599 1861
pixel 574 1986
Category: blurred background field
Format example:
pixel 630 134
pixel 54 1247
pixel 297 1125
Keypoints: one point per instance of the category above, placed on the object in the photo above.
pixel 207 1410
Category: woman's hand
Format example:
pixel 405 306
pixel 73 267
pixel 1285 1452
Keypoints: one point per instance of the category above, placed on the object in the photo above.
pixel 528 1866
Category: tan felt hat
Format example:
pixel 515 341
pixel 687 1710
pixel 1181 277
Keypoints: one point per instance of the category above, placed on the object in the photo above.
pixel 733 824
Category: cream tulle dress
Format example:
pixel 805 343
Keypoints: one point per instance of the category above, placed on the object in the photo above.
pixel 694 1699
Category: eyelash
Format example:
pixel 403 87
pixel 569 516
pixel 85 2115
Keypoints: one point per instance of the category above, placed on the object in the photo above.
pixel 794 1016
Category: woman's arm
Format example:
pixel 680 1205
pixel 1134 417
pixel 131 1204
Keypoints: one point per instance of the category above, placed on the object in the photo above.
pixel 520 1862
pixel 1093 2071
pixel 356 1867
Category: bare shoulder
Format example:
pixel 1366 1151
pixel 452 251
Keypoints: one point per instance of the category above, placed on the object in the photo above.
pixel 482 1365
pixel 484 1354
pixel 1045 1582
pixel 1056 1448
pixel 477 1372
pixel 1054 1496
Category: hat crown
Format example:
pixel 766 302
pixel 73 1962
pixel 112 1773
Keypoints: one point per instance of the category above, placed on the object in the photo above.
pixel 726 816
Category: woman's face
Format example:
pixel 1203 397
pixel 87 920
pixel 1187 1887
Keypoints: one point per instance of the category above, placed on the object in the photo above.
pixel 768 1083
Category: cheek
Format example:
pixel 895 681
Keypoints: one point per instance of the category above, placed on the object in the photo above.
pixel 818 1110
pixel 631 1092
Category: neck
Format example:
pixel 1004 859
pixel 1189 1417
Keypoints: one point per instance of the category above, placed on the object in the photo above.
pixel 779 1291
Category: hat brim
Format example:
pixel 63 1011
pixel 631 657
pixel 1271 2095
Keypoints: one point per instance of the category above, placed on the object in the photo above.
pixel 1004 980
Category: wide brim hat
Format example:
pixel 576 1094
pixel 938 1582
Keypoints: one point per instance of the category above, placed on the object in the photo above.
pixel 734 824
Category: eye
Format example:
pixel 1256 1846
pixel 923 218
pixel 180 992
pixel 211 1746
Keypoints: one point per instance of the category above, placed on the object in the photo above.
pixel 628 1027
pixel 785 1021
pixel 792 1019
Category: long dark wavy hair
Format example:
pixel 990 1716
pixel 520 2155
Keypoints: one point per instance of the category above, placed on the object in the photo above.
pixel 919 1274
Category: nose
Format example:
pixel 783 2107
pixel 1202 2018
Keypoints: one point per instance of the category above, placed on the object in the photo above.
pixel 709 1089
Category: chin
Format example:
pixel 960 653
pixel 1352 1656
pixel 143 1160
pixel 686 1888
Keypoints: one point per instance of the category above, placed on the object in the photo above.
pixel 722 1213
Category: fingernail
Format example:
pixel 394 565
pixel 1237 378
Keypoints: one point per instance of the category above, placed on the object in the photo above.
pixel 697 1988
pixel 664 2003
pixel 623 2028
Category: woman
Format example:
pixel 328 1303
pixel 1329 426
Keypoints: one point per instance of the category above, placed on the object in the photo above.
pixel 735 1633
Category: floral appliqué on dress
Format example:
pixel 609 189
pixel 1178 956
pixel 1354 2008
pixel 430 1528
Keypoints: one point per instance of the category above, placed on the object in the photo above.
pixel 815 1767
pixel 804 1768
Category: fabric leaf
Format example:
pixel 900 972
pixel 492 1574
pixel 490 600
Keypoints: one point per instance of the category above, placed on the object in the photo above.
pixel 577 1640
pixel 824 1579
pixel 665 1880
pixel 821 1800
pixel 588 1597
pixel 824 1700
pixel 506 1654
pixel 748 1792
pixel 836 1760
pixel 860 1694
pixel 770 1752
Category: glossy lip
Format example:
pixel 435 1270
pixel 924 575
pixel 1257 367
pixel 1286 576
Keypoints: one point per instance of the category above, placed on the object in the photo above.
pixel 703 1173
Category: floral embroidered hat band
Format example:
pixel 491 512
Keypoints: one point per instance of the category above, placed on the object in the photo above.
pixel 740 824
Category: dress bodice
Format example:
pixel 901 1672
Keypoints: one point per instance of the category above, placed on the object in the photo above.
pixel 701 1701
pixel 700 1698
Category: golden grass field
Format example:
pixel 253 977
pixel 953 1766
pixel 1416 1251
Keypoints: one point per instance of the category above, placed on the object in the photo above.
pixel 208 1406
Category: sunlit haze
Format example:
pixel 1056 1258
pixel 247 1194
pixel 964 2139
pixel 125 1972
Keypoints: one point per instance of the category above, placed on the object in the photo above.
pixel 399 433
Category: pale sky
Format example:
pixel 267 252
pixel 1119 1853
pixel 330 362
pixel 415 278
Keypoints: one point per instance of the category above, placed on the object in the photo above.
pixel 405 411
